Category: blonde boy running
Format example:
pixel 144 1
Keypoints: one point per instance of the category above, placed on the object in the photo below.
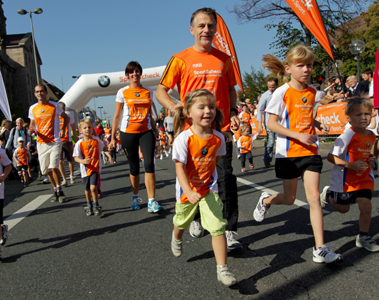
pixel 352 177
pixel 291 117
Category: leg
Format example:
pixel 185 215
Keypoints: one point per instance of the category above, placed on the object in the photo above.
pixel 219 249
pixel 269 146
pixel 71 165
pixel 287 197
pixel 365 207
pixel 134 181
pixel 62 169
pixel 243 158
pixel 147 142
pixel 51 177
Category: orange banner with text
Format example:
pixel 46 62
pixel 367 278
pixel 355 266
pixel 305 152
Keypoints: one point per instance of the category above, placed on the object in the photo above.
pixel 333 115
pixel 254 126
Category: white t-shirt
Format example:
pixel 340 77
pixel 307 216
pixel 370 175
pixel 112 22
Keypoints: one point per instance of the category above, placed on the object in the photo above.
pixel 4 161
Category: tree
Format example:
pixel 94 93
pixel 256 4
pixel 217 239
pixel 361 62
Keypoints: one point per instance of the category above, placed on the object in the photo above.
pixel 255 84
pixel 281 16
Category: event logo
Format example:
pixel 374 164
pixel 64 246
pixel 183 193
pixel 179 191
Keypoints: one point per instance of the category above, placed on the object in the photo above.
pixel 42 110
pixel 304 99
pixel 368 144
pixel 104 81
pixel 137 95
pixel 204 151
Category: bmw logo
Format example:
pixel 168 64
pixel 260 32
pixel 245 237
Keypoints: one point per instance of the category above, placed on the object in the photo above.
pixel 42 110
pixel 104 81
pixel 368 144
pixel 90 146
pixel 304 99
pixel 137 95
pixel 204 151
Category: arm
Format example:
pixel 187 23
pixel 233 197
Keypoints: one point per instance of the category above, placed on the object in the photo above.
pixel 164 99
pixel 233 103
pixel 7 170
pixel 115 122
pixel 304 138
pixel 84 161
pixel 324 128
pixel 74 136
pixel 66 119
pixel 181 173
pixel 261 106
pixel 357 165
pixel 32 127
pixel 155 109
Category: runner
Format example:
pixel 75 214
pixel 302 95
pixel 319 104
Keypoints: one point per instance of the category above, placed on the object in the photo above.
pixel 137 129
pixel 44 119
pixel 218 78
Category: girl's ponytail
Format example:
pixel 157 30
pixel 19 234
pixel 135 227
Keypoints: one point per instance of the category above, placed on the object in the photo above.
pixel 179 121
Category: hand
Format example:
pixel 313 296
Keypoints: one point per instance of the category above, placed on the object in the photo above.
pixel 2 178
pixel 193 197
pixel 176 106
pixel 61 133
pixel 234 120
pixel 260 129
pixel 371 159
pixel 358 165
pixel 228 136
pixel 87 160
pixel 307 139
pixel 324 128
pixel 112 144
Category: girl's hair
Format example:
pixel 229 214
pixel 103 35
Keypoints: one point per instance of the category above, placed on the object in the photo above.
pixel 356 102
pixel 243 128
pixel 85 120
pixel 298 54
pixel 8 124
pixel 130 67
pixel 182 112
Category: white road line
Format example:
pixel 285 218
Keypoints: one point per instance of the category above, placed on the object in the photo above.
pixel 22 213
pixel 272 192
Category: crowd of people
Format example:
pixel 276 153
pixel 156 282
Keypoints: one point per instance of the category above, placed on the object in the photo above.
pixel 201 133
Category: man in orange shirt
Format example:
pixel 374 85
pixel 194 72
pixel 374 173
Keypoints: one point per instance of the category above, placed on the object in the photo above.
pixel 44 119
pixel 204 67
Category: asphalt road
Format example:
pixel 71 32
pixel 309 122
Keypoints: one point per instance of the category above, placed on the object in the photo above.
pixel 56 252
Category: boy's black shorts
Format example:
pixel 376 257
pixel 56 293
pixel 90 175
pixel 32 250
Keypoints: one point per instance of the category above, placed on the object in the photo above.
pixel 90 180
pixel 22 169
pixel 293 167
pixel 347 198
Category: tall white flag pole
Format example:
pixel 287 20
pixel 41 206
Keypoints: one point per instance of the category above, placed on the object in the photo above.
pixel 4 104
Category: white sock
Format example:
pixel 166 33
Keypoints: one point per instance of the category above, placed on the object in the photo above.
pixel 151 200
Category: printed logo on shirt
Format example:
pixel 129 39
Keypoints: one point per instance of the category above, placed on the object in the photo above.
pixel 137 95
pixel 89 146
pixel 368 144
pixel 304 99
pixel 197 65
pixel 42 110
pixel 204 151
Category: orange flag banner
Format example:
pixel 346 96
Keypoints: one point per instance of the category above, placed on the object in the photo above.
pixel 309 14
pixel 223 42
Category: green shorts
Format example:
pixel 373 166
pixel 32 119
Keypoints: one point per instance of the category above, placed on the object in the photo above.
pixel 210 212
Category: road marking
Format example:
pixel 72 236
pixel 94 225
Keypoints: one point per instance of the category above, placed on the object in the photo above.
pixel 22 213
pixel 272 192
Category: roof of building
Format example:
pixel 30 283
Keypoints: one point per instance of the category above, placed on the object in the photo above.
pixel 12 40
pixel 354 24
pixel 53 93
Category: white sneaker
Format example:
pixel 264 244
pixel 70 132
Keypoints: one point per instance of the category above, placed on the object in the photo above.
pixel 161 156
pixel 169 150
pixel 72 179
pixel 176 247
pixel 261 209
pixel 224 275
pixel 231 242
pixel 324 255
pixel 46 180
pixel 323 200
pixel 196 230
pixel 367 243
pixel 238 156
pixel 166 153
pixel 64 182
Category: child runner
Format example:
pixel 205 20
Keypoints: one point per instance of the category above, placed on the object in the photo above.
pixel 5 169
pixel 236 136
pixel 163 142
pixel 21 156
pixel 87 152
pixel 352 178
pixel 245 144
pixel 291 117
pixel 195 153
pixel 245 115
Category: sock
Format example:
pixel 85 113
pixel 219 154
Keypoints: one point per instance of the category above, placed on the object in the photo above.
pixel 89 203
pixel 220 266
pixel 136 196
pixel 55 189
pixel 59 187
pixel 95 203
pixel 363 233
pixel 151 200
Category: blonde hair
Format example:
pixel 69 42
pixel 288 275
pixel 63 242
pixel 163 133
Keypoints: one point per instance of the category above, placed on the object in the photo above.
pixel 356 102
pixel 85 120
pixel 298 54
pixel 243 128
pixel 182 112
pixel 20 119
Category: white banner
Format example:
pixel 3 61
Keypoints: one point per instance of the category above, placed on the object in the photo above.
pixel 4 104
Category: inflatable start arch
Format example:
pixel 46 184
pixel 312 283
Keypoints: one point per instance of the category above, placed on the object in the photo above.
pixel 89 86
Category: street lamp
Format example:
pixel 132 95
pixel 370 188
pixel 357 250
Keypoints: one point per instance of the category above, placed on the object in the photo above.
pixel 76 76
pixel 101 113
pixel 356 48
pixel 37 11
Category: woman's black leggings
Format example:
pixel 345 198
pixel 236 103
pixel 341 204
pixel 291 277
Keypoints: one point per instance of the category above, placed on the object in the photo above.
pixel 130 143
pixel 1 211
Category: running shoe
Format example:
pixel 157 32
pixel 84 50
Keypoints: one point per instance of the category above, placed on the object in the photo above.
pixel 324 255
pixel 196 230
pixel 261 209
pixel 46 180
pixel 176 247
pixel 55 197
pixel 4 230
pixel 324 198
pixel 64 182
pixel 161 157
pixel 136 201
pixel 97 210
pixel 72 179
pixel 88 210
pixel 238 156
pixel 367 243
pixel 243 170
pixel 231 242
pixel 225 276
pixel 166 153
pixel 251 166
pixel 154 207
pixel 61 196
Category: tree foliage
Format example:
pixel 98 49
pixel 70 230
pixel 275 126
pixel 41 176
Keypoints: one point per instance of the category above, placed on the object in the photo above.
pixel 255 84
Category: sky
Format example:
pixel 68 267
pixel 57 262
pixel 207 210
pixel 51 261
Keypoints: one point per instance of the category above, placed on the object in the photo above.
pixel 83 37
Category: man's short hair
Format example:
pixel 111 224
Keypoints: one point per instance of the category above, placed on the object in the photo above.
pixel 41 85
pixel 62 104
pixel 204 10
pixel 351 78
pixel 368 71
pixel 273 79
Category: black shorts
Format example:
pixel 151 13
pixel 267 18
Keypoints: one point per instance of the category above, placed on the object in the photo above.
pixel 90 180
pixel 22 169
pixel 170 133
pixel 293 167
pixel 350 197
pixel 67 149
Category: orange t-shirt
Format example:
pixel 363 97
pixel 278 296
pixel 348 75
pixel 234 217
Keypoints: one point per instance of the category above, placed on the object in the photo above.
pixel 21 156
pixel 67 134
pixel 246 142
pixel 162 138
pixel 245 118
pixel 107 131
pixel 92 149
pixel 191 70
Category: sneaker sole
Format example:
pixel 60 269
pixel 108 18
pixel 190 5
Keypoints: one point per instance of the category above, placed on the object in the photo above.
pixel 368 249
pixel 154 211
pixel 226 284
pixel 234 247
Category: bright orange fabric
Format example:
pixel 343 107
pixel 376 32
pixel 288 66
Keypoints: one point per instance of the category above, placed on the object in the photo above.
pixel 44 116
pixel 22 156
pixel 91 149
pixel 246 141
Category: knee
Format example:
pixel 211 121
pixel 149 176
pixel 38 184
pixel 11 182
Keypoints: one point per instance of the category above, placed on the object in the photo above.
pixel 93 188
pixel 289 199
pixel 343 209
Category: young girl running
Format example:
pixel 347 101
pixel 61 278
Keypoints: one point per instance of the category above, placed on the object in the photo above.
pixel 195 153
pixel 291 117
pixel 245 144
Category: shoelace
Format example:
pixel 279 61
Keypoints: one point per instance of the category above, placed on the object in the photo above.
pixel 230 235
pixel 137 200
pixel 197 225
